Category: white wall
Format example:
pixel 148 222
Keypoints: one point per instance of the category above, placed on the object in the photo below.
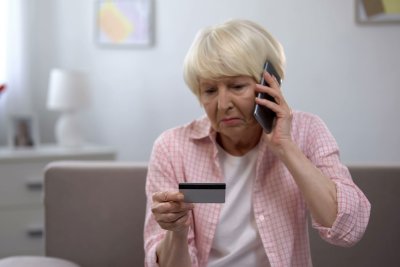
pixel 346 73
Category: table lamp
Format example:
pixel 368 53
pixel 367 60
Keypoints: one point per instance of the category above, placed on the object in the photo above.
pixel 68 93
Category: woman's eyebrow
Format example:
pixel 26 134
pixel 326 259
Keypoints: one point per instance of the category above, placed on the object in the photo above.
pixel 205 84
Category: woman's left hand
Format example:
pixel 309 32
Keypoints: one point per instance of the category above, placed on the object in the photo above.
pixel 318 190
pixel 281 132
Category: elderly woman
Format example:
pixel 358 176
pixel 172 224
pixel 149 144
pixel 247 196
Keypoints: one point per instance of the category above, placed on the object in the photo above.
pixel 273 180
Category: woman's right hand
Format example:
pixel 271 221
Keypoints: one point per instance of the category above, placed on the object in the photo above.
pixel 170 211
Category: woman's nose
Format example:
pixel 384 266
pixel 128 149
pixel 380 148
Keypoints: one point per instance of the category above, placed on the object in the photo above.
pixel 224 99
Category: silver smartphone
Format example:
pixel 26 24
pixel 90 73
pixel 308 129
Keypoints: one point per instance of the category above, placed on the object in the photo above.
pixel 264 115
pixel 203 192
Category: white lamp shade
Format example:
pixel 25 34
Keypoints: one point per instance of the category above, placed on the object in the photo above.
pixel 68 90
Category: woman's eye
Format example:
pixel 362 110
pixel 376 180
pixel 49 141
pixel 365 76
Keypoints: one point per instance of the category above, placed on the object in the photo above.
pixel 209 90
pixel 238 86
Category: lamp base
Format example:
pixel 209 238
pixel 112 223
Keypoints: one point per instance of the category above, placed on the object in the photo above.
pixel 67 131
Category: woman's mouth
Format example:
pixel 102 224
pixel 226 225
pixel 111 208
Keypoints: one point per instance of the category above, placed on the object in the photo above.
pixel 230 121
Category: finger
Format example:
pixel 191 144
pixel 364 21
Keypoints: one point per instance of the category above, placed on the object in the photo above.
pixel 271 80
pixel 178 206
pixel 167 196
pixel 267 103
pixel 273 92
pixel 281 109
pixel 170 217
pixel 168 207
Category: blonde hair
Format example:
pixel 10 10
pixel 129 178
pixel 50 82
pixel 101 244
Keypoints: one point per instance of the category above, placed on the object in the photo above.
pixel 234 48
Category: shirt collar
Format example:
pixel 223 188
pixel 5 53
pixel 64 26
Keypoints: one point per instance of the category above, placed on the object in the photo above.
pixel 201 128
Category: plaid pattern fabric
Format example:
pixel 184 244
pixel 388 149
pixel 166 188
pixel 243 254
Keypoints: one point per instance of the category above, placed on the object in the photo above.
pixel 189 154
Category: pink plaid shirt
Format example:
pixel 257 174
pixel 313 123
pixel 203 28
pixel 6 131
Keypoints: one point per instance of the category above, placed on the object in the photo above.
pixel 189 154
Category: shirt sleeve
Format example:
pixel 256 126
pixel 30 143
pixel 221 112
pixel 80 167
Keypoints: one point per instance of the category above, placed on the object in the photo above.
pixel 353 206
pixel 161 177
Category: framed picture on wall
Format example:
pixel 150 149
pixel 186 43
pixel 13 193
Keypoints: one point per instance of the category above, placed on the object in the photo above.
pixel 23 131
pixel 377 11
pixel 124 23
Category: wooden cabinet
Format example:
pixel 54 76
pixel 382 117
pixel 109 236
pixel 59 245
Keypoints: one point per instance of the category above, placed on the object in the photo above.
pixel 21 193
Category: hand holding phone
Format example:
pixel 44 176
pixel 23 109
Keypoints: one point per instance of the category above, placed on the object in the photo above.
pixel 264 115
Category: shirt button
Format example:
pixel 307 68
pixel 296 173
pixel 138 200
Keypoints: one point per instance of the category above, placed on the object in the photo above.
pixel 261 218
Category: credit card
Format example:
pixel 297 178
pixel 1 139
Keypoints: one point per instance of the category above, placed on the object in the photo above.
pixel 203 192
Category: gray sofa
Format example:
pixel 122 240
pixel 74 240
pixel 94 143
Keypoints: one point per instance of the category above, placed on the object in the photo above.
pixel 380 245
pixel 94 214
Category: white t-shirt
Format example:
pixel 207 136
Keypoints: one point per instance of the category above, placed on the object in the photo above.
pixel 237 242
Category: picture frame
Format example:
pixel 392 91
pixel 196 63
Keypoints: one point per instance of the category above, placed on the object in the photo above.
pixel 373 12
pixel 23 131
pixel 124 23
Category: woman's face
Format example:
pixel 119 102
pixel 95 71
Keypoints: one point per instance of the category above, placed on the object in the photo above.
pixel 229 104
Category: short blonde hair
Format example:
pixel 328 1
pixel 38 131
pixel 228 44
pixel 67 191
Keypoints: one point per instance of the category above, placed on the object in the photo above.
pixel 234 48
